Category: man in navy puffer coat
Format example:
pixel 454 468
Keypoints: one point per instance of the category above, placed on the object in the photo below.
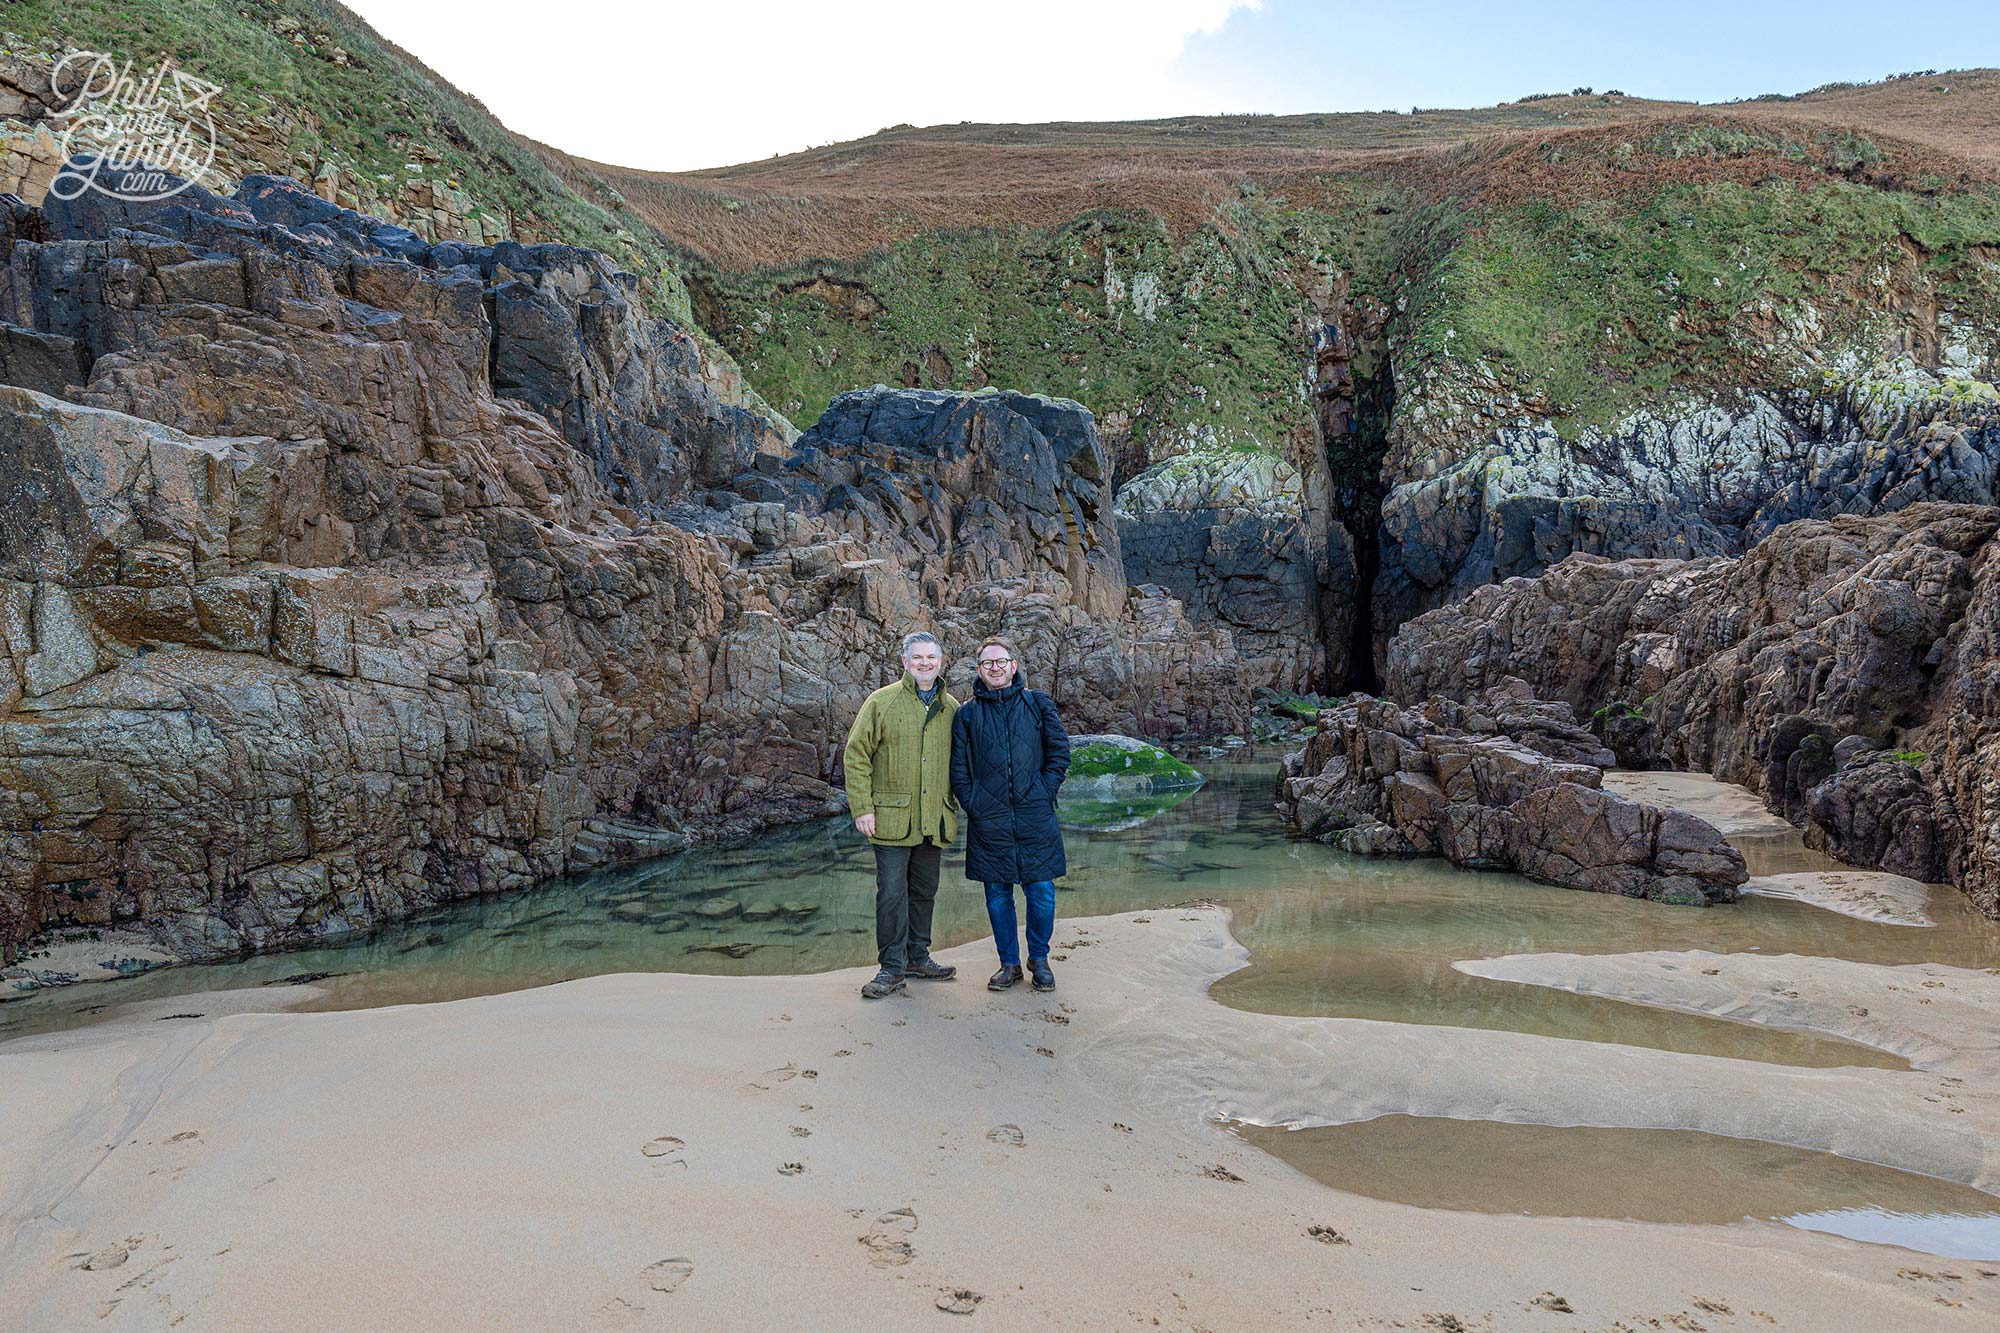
pixel 1009 753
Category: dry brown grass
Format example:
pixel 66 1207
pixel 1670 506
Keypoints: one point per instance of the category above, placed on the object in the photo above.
pixel 845 199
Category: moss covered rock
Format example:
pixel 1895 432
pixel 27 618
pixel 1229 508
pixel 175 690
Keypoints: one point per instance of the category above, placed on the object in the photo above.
pixel 1109 765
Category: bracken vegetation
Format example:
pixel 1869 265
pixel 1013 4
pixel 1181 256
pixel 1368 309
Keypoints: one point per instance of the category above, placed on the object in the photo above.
pixel 1584 253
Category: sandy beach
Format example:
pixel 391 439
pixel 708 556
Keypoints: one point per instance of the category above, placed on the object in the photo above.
pixel 701 1152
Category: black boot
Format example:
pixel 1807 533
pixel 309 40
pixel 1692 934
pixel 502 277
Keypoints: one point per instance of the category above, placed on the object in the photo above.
pixel 928 968
pixel 1044 979
pixel 1004 978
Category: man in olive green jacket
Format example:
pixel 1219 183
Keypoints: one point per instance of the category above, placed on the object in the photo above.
pixel 898 764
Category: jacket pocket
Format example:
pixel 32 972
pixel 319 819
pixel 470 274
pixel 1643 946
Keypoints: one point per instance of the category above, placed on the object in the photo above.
pixel 892 816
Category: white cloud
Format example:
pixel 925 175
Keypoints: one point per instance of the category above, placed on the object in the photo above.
pixel 679 86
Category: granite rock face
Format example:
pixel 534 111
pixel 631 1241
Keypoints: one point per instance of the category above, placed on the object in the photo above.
pixel 342 574
pixel 1233 537
pixel 1444 779
pixel 1466 508
pixel 1847 669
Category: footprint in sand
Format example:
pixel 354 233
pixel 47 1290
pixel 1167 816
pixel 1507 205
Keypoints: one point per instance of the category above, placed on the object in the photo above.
pixel 111 1256
pixel 667 1274
pixel 619 1312
pixel 1327 1236
pixel 801 1132
pixel 792 1169
pixel 959 1301
pixel 888 1240
pixel 782 1074
pixel 1220 1172
pixel 666 1147
pixel 1008 1135
pixel 1548 1300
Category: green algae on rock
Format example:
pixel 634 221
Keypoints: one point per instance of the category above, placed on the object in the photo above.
pixel 1111 765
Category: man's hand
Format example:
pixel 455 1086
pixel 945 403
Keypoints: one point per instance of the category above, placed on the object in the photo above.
pixel 866 824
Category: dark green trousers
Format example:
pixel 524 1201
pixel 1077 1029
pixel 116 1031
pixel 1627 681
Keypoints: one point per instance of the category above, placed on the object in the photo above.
pixel 906 885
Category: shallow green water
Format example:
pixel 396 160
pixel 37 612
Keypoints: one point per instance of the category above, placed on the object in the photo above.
pixel 1329 934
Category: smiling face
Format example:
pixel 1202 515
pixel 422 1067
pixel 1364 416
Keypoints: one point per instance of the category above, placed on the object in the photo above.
pixel 996 666
pixel 923 661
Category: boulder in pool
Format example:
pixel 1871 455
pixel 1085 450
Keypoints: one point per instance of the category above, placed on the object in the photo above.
pixel 1441 779
pixel 1109 765
pixel 715 909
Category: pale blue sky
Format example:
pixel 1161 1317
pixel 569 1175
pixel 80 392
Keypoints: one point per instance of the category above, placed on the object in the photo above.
pixel 1295 55
pixel 676 85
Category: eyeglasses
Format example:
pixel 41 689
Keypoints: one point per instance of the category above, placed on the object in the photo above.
pixel 996 661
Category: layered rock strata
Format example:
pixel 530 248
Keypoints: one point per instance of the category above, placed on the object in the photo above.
pixel 1847 669
pixel 341 574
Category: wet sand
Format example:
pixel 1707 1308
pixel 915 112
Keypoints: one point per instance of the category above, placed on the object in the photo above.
pixel 1730 808
pixel 1872 895
pixel 716 1152
pixel 1781 866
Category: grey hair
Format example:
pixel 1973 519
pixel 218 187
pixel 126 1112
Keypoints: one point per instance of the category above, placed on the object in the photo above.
pixel 921 636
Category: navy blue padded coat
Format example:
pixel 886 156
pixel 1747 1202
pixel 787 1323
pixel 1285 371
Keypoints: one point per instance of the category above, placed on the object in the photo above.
pixel 1009 753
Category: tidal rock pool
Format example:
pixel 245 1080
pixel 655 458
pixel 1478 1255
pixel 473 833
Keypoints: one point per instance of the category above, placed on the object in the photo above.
pixel 1329 935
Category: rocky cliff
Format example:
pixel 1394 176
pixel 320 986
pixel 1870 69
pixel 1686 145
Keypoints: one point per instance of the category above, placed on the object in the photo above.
pixel 343 572
pixel 1462 343
pixel 1847 668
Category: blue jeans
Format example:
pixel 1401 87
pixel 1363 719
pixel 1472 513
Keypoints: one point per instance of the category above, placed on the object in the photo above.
pixel 1041 897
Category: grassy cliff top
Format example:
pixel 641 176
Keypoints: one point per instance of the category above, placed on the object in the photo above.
pixel 307 86
pixel 844 200
pixel 1584 252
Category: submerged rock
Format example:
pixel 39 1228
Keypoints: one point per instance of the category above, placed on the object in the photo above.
pixel 716 909
pixel 1447 780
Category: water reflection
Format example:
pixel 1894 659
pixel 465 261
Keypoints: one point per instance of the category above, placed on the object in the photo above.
pixel 1649 1175
pixel 1100 814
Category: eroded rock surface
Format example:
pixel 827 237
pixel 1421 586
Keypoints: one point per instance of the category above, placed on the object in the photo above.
pixel 1451 780
pixel 1847 669
pixel 1233 536
pixel 341 574
pixel 1473 500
